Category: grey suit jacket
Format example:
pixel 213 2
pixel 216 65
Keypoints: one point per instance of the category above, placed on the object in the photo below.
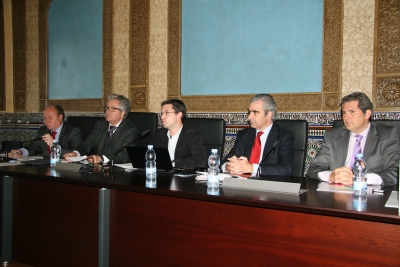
pixel 97 142
pixel 69 139
pixel 381 152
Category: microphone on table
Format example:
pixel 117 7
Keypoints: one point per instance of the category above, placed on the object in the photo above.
pixel 123 147
pixel 269 152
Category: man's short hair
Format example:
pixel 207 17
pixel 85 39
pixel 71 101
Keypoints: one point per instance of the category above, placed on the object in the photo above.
pixel 177 106
pixel 268 104
pixel 124 103
pixel 364 102
pixel 59 110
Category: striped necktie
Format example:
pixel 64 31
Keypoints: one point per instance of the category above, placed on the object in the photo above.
pixel 357 149
pixel 111 131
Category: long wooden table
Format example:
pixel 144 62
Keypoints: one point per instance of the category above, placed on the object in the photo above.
pixel 120 219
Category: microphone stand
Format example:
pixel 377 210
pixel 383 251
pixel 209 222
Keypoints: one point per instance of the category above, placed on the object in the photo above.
pixel 112 167
pixel 269 152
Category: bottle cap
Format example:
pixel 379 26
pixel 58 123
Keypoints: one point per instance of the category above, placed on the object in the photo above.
pixel 359 155
pixel 150 146
pixel 214 150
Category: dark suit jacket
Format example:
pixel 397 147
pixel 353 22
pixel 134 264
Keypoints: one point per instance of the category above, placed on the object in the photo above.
pixel 189 151
pixel 279 161
pixel 70 138
pixel 381 152
pixel 97 143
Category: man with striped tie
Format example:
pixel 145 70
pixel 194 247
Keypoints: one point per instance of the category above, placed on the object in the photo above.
pixel 110 135
pixel 55 128
pixel 378 143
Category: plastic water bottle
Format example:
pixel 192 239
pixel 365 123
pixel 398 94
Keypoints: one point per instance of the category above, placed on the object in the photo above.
pixel 151 169
pixel 213 169
pixel 55 152
pixel 360 176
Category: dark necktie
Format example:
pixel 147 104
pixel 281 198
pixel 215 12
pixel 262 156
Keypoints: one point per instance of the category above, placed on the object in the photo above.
pixel 356 150
pixel 111 131
pixel 256 150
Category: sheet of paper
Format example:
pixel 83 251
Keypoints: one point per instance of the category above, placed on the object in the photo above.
pixel 127 166
pixel 9 163
pixel 393 200
pixel 30 158
pixel 202 176
pixel 76 159
pixel 328 187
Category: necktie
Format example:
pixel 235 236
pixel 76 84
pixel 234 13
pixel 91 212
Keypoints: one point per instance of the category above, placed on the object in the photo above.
pixel 53 135
pixel 357 149
pixel 256 150
pixel 111 131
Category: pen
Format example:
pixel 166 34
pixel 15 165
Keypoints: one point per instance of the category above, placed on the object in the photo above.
pixel 381 191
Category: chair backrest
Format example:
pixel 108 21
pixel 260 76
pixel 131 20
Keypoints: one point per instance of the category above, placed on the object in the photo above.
pixel 212 130
pixel 393 123
pixel 86 124
pixel 300 130
pixel 144 121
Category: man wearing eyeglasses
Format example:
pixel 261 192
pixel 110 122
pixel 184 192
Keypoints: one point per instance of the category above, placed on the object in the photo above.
pixel 185 145
pixel 109 135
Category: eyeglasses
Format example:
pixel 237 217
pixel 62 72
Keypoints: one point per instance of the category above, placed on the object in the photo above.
pixel 167 112
pixel 112 109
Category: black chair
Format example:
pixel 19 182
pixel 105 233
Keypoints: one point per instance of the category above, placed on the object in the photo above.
pixel 393 123
pixel 8 145
pixel 144 121
pixel 212 130
pixel 300 130
pixel 86 124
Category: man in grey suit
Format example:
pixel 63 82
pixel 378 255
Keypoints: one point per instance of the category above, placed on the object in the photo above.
pixel 275 152
pixel 110 135
pixel 379 145
pixel 55 128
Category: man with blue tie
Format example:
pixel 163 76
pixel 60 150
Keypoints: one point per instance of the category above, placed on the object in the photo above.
pixel 265 148
pixel 55 128
pixel 378 143
pixel 110 135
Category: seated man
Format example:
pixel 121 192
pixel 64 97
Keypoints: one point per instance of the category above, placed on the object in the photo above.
pixel 109 135
pixel 378 143
pixel 68 137
pixel 254 149
pixel 185 145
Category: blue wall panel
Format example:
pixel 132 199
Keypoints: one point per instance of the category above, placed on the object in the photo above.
pixel 75 47
pixel 251 46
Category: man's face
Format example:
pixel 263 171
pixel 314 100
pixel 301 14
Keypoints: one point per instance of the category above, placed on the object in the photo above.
pixel 51 119
pixel 114 117
pixel 169 117
pixel 353 118
pixel 257 117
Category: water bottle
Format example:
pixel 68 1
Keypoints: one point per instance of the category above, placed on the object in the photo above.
pixel 151 169
pixel 213 169
pixel 55 152
pixel 360 176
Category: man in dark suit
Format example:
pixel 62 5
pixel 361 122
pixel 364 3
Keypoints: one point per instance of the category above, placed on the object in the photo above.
pixel 109 135
pixel 378 143
pixel 55 128
pixel 254 148
pixel 185 145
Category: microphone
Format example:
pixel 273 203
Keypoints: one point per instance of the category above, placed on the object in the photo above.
pixel 126 145
pixel 266 155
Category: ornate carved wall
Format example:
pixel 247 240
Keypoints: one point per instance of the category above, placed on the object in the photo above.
pixel 328 99
pixel 387 55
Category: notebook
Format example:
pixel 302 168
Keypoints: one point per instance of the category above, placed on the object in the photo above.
pixel 37 162
pixel 137 158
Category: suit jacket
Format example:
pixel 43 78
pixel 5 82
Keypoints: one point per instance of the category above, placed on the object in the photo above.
pixel 381 152
pixel 98 143
pixel 281 159
pixel 189 151
pixel 70 138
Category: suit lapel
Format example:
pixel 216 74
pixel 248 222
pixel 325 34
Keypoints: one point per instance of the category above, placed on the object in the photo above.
pixel 342 147
pixel 248 143
pixel 62 133
pixel 370 143
pixel 271 139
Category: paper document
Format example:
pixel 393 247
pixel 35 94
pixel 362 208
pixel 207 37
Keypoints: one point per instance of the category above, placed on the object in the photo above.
pixel 9 163
pixel 30 158
pixel 126 166
pixel 76 159
pixel 393 200
pixel 202 176
pixel 329 187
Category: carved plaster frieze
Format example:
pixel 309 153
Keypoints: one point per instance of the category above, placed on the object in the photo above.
pixel 138 98
pixel 388 92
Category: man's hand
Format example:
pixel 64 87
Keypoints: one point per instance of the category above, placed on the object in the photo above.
pixel 70 154
pixel 48 139
pixel 239 165
pixel 342 175
pixel 15 153
pixel 94 159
